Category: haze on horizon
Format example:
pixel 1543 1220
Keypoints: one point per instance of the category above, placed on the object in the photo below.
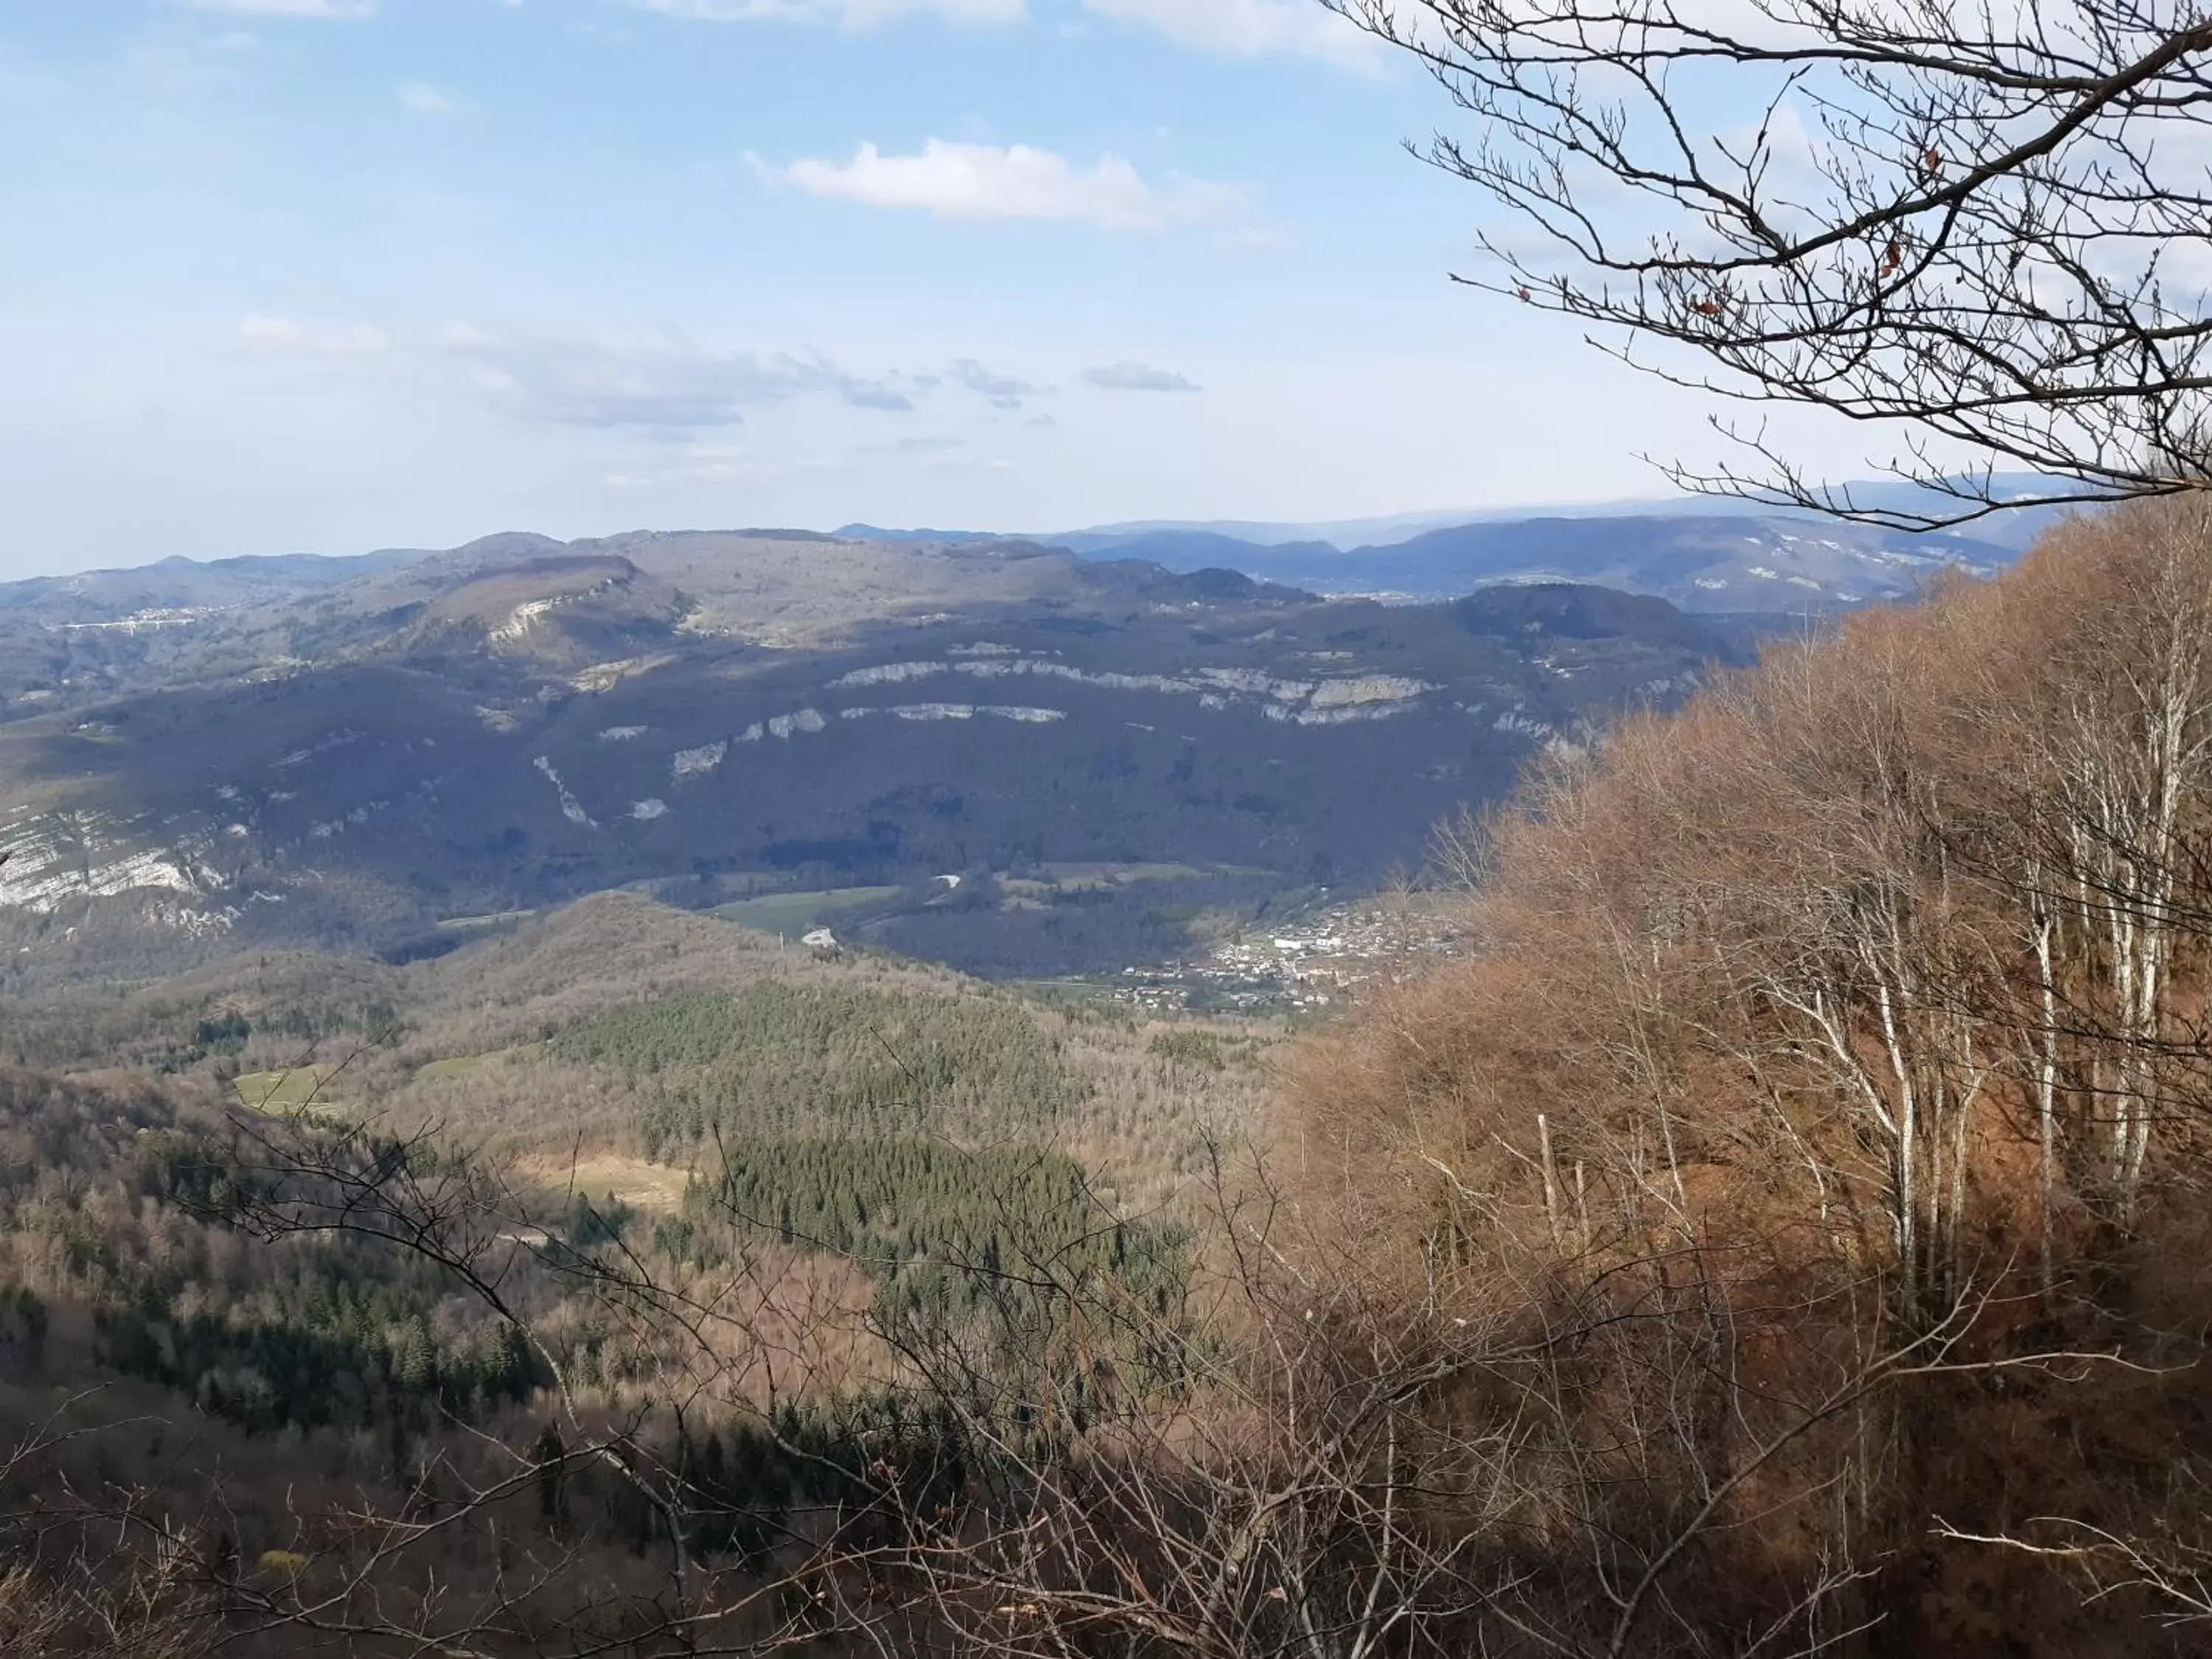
pixel 323 276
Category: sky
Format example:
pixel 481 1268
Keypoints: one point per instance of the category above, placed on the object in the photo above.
pixel 325 275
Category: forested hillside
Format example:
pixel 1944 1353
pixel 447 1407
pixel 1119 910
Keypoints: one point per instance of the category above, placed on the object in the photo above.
pixel 1781 1235
pixel 1819 1142
pixel 1298 1081
pixel 411 1237
pixel 1007 758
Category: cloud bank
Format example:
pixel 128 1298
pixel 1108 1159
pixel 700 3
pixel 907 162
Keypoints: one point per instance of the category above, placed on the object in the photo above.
pixel 1137 377
pixel 1010 182
pixel 1235 28
pixel 844 14
pixel 1246 28
pixel 668 385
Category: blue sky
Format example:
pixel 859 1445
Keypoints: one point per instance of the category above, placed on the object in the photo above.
pixel 327 275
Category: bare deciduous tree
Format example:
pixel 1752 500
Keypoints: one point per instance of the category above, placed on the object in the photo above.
pixel 1989 225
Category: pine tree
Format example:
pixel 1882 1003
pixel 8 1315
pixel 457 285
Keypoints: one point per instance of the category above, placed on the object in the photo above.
pixel 548 1453
pixel 417 1366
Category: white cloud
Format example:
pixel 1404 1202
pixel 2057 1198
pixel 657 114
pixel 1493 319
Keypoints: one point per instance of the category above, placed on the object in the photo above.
pixel 287 7
pixel 421 98
pixel 1015 181
pixel 1248 28
pixel 1002 390
pixel 667 386
pixel 671 386
pixel 282 336
pixel 845 13
pixel 1137 377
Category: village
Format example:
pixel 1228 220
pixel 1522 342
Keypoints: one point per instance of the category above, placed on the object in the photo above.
pixel 1329 955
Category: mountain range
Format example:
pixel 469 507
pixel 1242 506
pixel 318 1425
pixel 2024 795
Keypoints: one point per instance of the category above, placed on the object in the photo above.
pixel 1018 757
pixel 1717 565
pixel 1704 554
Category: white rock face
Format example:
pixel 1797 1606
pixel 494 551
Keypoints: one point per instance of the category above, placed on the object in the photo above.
pixel 526 616
pixel 956 711
pixel 1374 711
pixel 892 673
pixel 1214 687
pixel 338 826
pixel 806 719
pixel 1026 716
pixel 606 676
pixel 521 619
pixel 1516 721
pixel 61 856
pixel 1371 689
pixel 700 762
pixel 571 808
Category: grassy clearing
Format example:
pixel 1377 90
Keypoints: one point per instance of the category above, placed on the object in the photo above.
pixel 460 1066
pixel 641 1185
pixel 798 913
pixel 287 1091
pixel 1120 875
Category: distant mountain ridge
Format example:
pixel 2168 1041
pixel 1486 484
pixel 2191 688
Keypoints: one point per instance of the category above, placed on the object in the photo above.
pixel 373 752
pixel 2012 529
pixel 1720 564
pixel 386 756
pixel 1341 555
pixel 1704 554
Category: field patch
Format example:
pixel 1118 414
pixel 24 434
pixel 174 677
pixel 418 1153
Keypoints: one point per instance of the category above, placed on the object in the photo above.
pixel 793 913
pixel 288 1091
pixel 637 1183
pixel 460 1066
pixel 1120 875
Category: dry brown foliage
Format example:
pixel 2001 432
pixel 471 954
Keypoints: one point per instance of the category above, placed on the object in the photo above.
pixel 1831 1093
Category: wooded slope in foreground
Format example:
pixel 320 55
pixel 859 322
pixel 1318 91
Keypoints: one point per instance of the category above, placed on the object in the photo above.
pixel 1821 1134
pixel 1786 1235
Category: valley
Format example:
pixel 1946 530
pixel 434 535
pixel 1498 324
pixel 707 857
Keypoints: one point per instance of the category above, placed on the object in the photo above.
pixel 1623 1071
pixel 714 1049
